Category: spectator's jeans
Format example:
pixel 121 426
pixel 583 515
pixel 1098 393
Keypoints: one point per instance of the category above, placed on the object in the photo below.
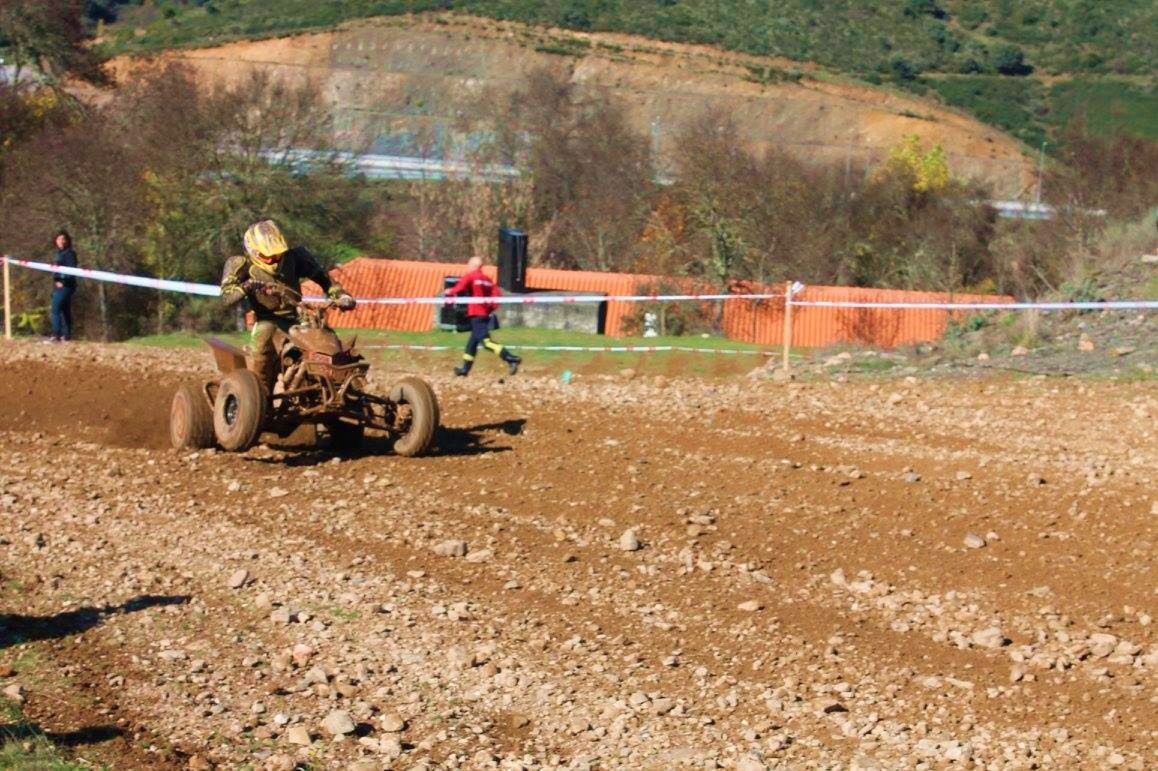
pixel 62 312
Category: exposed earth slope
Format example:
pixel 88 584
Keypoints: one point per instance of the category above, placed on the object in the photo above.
pixel 391 77
pixel 1032 67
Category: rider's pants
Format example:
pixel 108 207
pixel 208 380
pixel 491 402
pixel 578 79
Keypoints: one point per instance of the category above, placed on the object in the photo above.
pixel 265 363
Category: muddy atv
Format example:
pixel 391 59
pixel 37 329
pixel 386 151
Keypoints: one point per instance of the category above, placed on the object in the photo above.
pixel 321 384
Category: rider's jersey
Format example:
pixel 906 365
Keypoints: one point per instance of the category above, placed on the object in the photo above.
pixel 295 265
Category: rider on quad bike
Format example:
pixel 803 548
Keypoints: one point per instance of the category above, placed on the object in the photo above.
pixel 270 276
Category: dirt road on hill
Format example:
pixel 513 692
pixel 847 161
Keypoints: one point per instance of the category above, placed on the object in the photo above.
pixel 653 573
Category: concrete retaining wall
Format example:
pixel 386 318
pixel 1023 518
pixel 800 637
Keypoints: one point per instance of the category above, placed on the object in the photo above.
pixel 575 317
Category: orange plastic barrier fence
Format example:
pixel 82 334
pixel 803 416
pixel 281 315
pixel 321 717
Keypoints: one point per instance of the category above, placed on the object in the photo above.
pixel 750 321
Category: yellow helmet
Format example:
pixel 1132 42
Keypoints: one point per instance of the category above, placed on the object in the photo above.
pixel 264 241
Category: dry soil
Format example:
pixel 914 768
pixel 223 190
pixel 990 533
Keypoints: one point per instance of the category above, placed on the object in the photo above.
pixel 615 573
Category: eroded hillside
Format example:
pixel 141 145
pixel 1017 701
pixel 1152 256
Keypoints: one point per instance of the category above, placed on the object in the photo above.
pixel 390 77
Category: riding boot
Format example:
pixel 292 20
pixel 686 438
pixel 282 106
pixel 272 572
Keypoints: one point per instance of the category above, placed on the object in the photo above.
pixel 512 361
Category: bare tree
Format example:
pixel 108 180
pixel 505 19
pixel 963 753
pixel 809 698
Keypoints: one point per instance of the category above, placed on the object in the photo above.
pixel 717 182
pixel 80 176
pixel 143 192
pixel 591 171
pixel 50 37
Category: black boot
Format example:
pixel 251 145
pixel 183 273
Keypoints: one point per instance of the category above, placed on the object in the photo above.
pixel 463 370
pixel 512 361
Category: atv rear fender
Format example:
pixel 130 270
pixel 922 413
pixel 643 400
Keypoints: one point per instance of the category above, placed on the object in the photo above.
pixel 228 357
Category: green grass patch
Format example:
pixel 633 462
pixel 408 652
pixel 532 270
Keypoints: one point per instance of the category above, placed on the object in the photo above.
pixel 1150 289
pixel 188 339
pixel 27 662
pixel 1105 106
pixel 541 362
pixel 344 614
pixel 875 364
pixel 1014 104
pixel 24 747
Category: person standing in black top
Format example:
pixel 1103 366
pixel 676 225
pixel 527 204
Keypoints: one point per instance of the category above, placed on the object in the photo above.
pixel 64 287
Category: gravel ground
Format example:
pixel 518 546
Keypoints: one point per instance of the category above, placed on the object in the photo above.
pixel 644 573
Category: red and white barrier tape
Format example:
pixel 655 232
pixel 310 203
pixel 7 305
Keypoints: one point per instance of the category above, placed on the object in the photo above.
pixel 994 306
pixel 577 348
pixel 185 287
pixel 211 290
pixel 560 299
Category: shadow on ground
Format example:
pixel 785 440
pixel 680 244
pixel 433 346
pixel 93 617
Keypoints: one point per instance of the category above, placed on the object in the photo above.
pixel 472 440
pixel 80 737
pixel 16 629
pixel 448 442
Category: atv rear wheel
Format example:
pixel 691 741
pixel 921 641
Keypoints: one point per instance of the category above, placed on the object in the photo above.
pixel 418 410
pixel 346 436
pixel 239 410
pixel 191 418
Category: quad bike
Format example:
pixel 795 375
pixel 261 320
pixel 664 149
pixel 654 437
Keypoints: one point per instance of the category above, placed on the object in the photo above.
pixel 321 383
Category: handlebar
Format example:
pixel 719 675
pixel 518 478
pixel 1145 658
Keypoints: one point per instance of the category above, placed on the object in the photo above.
pixel 294 297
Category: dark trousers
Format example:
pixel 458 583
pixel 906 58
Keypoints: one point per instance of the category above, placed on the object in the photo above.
pixel 480 334
pixel 62 312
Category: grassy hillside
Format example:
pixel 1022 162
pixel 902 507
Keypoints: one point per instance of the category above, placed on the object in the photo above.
pixel 991 57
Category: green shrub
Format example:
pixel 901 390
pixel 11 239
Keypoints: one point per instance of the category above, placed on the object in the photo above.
pixel 903 69
pixel 973 15
pixel 1010 60
pixel 674 318
pixel 1080 291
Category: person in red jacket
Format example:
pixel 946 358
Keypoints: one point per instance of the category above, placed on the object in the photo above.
pixel 482 317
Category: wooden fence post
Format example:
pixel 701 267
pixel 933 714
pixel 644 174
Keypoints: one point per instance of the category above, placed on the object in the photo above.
pixel 787 325
pixel 7 300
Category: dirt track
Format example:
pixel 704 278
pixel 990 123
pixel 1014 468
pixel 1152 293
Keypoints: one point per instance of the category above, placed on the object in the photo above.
pixel 803 596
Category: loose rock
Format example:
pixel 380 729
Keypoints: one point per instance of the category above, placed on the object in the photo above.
pixel 451 548
pixel 391 723
pixel 238 578
pixel 990 637
pixel 338 722
pixel 299 734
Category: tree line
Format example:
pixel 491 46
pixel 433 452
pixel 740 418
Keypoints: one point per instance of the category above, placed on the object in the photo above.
pixel 160 175
pixel 594 196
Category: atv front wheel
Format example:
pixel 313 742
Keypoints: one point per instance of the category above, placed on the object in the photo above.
pixel 239 410
pixel 190 419
pixel 417 410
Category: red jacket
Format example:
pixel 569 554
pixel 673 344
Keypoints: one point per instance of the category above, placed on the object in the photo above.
pixel 476 284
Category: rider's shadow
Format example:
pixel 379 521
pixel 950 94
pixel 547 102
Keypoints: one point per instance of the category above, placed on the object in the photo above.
pixel 449 441
pixel 473 440
pixel 17 629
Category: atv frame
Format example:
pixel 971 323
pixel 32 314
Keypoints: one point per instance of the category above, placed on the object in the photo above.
pixel 321 382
